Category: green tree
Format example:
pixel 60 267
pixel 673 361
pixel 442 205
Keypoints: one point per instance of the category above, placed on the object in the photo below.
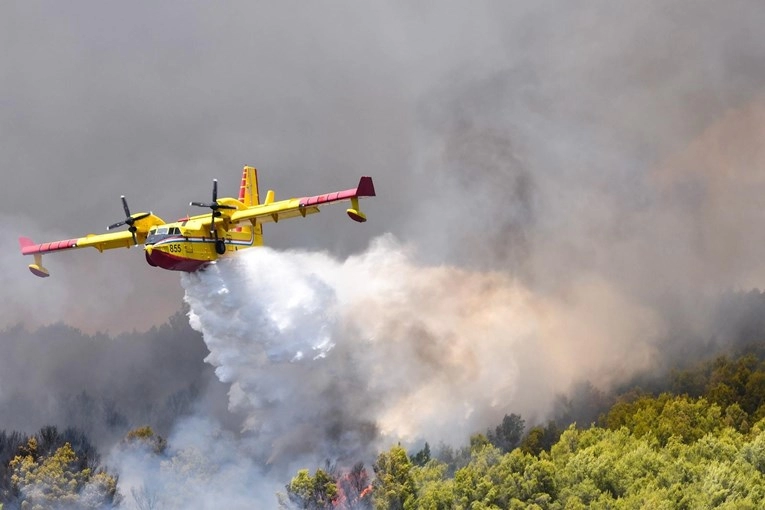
pixel 422 457
pixel 507 435
pixel 394 486
pixel 146 438
pixel 754 393
pixel 666 416
pixel 316 492
pixel 55 481
pixel 687 419
pixel 435 491
pixel 540 439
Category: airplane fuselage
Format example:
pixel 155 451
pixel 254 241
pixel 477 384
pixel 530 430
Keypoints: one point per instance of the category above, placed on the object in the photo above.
pixel 186 246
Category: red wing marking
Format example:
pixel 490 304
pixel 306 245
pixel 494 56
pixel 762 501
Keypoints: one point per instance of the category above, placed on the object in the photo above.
pixel 365 188
pixel 330 197
pixel 31 249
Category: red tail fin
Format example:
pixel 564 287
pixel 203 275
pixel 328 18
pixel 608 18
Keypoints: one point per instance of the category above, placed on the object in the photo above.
pixel 366 187
pixel 24 242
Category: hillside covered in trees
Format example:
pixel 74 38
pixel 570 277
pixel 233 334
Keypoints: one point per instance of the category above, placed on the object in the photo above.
pixel 688 435
pixel 700 444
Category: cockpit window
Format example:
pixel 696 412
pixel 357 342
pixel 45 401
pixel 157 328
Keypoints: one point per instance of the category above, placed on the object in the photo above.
pixel 162 230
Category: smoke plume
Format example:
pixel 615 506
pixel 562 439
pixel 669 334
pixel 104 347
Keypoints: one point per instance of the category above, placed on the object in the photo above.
pixel 326 357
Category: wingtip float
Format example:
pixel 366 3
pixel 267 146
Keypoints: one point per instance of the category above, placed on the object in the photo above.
pixel 28 247
pixel 193 242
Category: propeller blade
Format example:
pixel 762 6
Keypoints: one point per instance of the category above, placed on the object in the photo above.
pixel 214 206
pixel 129 219
pixel 125 206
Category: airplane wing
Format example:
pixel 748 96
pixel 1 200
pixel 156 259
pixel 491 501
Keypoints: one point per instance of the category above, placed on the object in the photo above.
pixel 101 242
pixel 270 211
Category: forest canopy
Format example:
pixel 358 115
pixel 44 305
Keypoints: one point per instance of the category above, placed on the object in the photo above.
pixel 700 444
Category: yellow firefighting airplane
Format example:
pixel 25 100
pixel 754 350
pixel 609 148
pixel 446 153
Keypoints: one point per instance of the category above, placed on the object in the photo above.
pixel 193 242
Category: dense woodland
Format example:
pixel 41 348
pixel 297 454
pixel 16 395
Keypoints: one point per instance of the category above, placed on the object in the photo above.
pixel 700 444
pixel 691 437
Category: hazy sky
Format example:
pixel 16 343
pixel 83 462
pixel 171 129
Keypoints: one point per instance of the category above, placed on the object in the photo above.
pixel 532 137
pixel 565 186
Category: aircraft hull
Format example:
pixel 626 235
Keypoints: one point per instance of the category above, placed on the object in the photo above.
pixel 158 258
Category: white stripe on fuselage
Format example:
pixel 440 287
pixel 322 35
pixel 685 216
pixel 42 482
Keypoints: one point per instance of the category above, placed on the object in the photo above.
pixel 181 239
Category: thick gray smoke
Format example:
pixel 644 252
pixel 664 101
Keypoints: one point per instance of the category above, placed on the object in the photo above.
pixel 568 186
pixel 527 137
pixel 104 385
pixel 325 357
pixel 205 468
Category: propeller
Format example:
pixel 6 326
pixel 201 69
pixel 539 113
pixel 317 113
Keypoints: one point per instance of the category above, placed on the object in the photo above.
pixel 129 220
pixel 215 206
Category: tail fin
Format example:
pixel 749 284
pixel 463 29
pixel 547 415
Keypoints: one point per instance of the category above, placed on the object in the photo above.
pixel 249 196
pixel 248 193
pixel 366 187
